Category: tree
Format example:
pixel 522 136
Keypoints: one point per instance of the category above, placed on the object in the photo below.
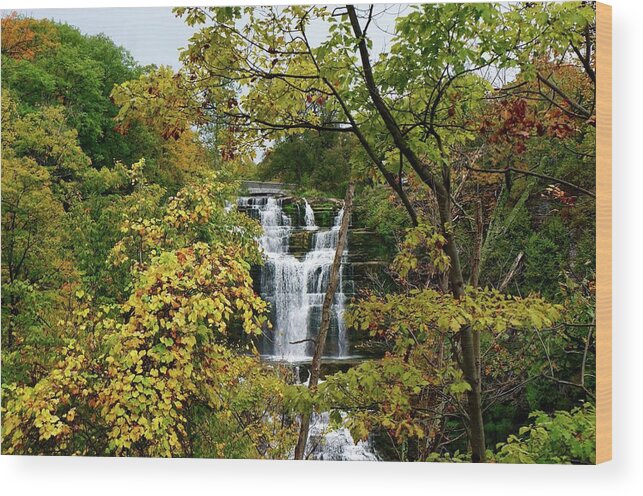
pixel 34 264
pixel 31 224
pixel 311 160
pixel 23 38
pixel 45 137
pixel 55 65
pixel 414 105
pixel 565 437
pixel 418 386
pixel 129 316
pixel 133 376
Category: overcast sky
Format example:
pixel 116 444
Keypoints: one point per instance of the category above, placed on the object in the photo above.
pixel 153 35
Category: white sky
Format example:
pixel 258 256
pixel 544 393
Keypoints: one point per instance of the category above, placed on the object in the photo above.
pixel 153 35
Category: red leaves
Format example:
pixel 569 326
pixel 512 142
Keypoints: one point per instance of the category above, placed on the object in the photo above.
pixel 554 192
pixel 122 129
pixel 172 132
pixel 518 121
pixel 319 100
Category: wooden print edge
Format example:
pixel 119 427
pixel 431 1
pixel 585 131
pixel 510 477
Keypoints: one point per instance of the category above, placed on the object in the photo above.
pixel 603 233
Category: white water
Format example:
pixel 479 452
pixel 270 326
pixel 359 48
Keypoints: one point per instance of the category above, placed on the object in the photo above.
pixel 336 444
pixel 309 218
pixel 296 286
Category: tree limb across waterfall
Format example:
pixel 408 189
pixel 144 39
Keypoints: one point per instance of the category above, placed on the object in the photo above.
pixel 315 366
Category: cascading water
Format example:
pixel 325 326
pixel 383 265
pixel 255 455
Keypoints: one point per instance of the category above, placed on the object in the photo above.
pixel 309 217
pixel 335 444
pixel 294 286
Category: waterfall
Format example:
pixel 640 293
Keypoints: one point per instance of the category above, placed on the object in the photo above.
pixel 336 444
pixel 294 286
pixel 309 217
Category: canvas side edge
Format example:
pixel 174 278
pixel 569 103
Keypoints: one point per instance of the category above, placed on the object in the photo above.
pixel 603 233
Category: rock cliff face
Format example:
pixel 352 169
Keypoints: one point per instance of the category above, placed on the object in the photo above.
pixel 368 252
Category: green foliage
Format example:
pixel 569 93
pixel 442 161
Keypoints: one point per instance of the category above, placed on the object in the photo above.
pixel 34 262
pixel 546 254
pixel 311 160
pixel 77 73
pixel 564 437
pixel 508 232
pixel 375 208
pixel 32 221
pixel 380 394
pixel 44 136
pixel 418 376
pixel 421 312
pixel 421 241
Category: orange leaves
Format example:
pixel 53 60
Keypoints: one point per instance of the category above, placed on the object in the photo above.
pixel 559 124
pixel 17 37
pixel 24 38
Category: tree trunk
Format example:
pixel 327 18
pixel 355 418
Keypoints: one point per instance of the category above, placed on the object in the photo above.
pixel 474 396
pixel 474 280
pixel 441 188
pixel 477 249
pixel 469 343
pixel 512 272
pixel 333 281
pixel 13 312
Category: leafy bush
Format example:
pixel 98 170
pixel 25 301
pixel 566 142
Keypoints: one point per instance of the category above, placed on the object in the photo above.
pixel 564 437
pixel 546 254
